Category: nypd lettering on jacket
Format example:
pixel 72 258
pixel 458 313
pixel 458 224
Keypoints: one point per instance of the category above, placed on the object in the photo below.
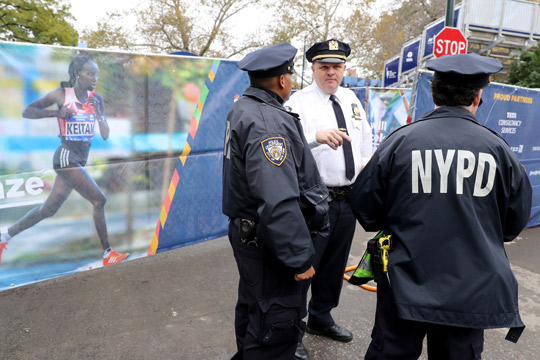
pixel 80 127
pixel 477 168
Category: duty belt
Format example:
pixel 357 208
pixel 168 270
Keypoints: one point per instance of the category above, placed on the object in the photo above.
pixel 248 231
pixel 339 192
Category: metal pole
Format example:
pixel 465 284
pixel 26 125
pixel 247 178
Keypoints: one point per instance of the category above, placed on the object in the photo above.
pixel 449 13
pixel 303 64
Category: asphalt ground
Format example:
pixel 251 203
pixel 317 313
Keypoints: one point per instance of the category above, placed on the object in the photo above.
pixel 180 305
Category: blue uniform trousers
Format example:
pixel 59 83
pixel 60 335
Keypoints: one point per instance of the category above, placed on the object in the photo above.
pixel 393 338
pixel 267 313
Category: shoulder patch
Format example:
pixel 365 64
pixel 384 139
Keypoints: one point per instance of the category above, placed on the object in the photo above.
pixel 275 150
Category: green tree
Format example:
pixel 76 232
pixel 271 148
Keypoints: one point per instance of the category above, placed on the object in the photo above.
pixel 526 70
pixel 37 21
pixel 306 22
pixel 199 27
pixel 110 34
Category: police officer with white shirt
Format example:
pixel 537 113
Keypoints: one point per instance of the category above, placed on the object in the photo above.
pixel 450 192
pixel 340 139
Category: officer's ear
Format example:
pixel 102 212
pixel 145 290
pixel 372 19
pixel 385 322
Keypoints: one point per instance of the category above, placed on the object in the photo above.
pixel 281 81
pixel 476 102
pixel 478 98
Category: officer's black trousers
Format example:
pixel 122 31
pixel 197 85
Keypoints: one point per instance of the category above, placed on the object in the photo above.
pixel 267 314
pixel 395 339
pixel 331 256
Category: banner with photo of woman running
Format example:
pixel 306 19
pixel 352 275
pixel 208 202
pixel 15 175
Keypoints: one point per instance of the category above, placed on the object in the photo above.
pixel 107 156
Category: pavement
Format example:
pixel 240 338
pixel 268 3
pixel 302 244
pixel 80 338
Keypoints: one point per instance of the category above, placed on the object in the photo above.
pixel 180 305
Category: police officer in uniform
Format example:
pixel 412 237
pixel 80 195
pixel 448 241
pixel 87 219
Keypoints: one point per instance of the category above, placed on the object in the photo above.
pixel 276 202
pixel 450 192
pixel 340 138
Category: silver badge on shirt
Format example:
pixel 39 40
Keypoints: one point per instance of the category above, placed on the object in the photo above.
pixel 357 115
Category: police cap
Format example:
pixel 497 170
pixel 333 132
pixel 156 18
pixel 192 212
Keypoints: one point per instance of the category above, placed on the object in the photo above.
pixel 270 61
pixel 331 51
pixel 464 69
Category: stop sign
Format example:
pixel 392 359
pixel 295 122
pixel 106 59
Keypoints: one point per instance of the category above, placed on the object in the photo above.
pixel 449 41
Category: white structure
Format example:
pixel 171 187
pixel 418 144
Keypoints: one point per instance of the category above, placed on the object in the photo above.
pixel 497 28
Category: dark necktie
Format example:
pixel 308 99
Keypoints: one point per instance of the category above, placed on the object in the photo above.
pixel 347 148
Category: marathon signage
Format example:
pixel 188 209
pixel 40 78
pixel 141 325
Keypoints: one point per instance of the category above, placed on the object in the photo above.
pixel 510 111
pixel 391 71
pixel 409 55
pixel 159 167
pixel 431 30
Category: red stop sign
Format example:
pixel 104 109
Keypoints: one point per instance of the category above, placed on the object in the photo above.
pixel 449 41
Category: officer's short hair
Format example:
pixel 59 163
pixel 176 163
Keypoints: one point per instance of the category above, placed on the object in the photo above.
pixel 446 94
pixel 457 79
pixel 265 82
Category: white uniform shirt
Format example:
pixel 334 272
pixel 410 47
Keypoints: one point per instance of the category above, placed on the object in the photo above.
pixel 316 113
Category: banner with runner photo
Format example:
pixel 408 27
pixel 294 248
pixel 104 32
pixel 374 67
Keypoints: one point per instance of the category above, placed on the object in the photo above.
pixel 107 156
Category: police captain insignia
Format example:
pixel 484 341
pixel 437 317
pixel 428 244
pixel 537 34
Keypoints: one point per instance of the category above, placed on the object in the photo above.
pixel 275 150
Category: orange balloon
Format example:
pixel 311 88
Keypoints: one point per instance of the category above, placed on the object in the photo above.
pixel 191 92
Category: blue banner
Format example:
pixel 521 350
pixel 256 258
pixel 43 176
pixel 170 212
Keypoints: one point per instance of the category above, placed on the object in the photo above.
pixel 391 71
pixel 361 94
pixel 353 81
pixel 409 55
pixel 136 142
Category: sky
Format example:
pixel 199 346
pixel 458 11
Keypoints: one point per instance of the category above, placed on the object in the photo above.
pixel 88 13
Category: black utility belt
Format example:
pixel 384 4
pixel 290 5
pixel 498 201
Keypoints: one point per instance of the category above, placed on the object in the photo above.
pixel 339 192
pixel 248 231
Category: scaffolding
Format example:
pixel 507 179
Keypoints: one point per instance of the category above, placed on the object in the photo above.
pixel 501 29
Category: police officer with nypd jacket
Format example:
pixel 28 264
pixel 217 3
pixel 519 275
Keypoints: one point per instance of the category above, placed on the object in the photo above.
pixel 276 202
pixel 450 192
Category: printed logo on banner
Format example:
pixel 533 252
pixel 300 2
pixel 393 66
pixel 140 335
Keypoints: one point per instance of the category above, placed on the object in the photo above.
pixel 275 150
pixel 409 57
pixel 517 149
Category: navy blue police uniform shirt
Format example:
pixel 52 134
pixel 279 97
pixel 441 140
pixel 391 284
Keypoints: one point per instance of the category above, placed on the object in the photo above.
pixel 450 191
pixel 270 177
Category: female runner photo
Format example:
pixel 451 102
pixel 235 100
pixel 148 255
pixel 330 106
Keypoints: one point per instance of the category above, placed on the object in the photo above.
pixel 79 109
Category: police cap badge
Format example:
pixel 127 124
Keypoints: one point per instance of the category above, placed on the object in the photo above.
pixel 332 51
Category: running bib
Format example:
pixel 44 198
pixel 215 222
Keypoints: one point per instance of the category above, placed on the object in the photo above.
pixel 80 127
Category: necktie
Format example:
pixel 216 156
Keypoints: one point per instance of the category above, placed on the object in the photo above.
pixel 347 148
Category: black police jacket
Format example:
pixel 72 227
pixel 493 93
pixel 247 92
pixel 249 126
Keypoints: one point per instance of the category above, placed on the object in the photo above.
pixel 270 177
pixel 450 191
